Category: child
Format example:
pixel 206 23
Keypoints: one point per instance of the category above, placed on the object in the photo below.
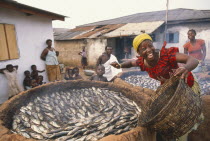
pixel 69 74
pixel 11 74
pixel 76 75
pixel 40 80
pixel 27 80
pixel 33 83
pixel 84 58
pixel 34 73
pixel 100 70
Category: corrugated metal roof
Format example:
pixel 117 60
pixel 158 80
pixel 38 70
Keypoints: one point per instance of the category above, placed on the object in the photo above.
pixel 86 32
pixel 73 33
pixel 134 29
pixel 67 35
pixel 173 15
pixel 98 31
pixel 83 28
pixel 133 24
pixel 58 31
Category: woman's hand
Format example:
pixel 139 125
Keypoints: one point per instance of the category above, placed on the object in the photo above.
pixel 162 79
pixel 183 72
pixel 115 64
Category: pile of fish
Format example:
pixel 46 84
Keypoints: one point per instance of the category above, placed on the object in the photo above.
pixel 147 82
pixel 205 86
pixel 142 81
pixel 85 114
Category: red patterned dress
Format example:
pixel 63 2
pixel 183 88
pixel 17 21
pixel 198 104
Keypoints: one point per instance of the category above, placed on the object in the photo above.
pixel 165 64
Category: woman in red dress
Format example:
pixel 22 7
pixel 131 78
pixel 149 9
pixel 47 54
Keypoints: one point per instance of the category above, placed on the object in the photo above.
pixel 160 65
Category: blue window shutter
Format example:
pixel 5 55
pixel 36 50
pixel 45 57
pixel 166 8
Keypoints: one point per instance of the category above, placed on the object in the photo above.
pixel 176 37
pixel 167 37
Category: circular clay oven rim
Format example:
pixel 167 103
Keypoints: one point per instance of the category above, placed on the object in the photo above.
pixel 8 108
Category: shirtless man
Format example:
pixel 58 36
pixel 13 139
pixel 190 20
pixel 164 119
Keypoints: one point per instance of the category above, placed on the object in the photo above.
pixel 106 59
pixel 105 56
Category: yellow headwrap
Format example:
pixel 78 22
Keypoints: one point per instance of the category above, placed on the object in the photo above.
pixel 139 39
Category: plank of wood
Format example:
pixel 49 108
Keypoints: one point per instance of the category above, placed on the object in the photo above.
pixel 4 55
pixel 11 41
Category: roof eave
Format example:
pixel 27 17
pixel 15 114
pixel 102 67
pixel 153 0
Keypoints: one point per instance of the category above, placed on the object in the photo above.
pixel 189 21
pixel 31 10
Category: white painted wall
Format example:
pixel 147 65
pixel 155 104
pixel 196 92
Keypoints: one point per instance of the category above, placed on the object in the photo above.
pixel 31 32
pixel 95 48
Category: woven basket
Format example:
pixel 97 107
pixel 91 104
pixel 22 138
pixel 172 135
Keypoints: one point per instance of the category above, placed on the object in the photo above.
pixel 175 111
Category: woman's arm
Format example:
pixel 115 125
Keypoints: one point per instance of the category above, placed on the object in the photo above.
pixel 44 54
pixel 57 53
pixel 190 64
pixel 127 64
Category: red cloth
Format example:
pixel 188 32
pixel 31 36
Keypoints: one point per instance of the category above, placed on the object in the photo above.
pixel 166 63
pixel 195 50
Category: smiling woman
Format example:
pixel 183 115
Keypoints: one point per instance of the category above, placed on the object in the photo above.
pixel 160 65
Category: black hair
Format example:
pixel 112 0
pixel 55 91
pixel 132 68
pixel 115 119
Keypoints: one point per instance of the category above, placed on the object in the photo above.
pixel 48 40
pixel 192 30
pixel 9 65
pixel 69 70
pixel 26 71
pixel 33 66
pixel 107 47
pixel 75 68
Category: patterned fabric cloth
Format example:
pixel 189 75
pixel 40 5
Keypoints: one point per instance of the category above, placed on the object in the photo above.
pixel 166 63
pixel 195 50
pixel 53 72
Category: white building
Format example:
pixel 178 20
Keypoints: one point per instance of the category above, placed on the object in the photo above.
pixel 23 31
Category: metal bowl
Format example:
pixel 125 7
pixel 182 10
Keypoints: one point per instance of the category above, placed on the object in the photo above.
pixel 89 72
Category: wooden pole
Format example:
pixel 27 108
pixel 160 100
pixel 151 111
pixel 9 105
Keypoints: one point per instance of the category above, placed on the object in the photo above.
pixel 166 20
